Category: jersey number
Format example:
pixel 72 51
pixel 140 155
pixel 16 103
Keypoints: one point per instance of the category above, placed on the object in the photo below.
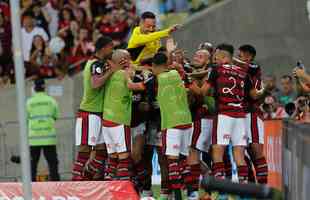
pixel 229 90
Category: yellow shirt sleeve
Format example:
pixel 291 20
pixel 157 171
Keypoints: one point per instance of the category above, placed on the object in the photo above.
pixel 139 39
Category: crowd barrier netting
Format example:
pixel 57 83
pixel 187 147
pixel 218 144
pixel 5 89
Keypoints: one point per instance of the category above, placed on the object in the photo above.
pixel 296 161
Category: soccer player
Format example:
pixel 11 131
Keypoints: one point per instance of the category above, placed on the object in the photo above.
pixel 154 142
pixel 230 84
pixel 201 108
pixel 145 39
pixel 117 111
pixel 254 123
pixel 176 122
pixel 88 122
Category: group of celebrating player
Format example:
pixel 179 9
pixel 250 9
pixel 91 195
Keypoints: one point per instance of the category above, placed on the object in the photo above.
pixel 132 104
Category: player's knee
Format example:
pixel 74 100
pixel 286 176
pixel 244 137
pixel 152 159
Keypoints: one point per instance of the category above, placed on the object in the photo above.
pixel 124 155
pixel 193 157
pixel 100 147
pixel 217 153
pixel 113 155
pixel 136 154
pixel 84 148
pixel 172 157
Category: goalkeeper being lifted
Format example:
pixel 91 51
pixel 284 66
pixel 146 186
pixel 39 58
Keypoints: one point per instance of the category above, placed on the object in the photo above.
pixel 145 40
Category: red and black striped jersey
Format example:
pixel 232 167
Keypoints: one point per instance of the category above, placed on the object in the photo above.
pixel 231 85
pixel 255 75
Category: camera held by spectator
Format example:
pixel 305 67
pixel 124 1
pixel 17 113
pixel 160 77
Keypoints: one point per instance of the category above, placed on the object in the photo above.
pixel 303 79
pixel 302 109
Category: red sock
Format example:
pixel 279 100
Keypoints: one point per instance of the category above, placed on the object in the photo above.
pixel 185 170
pixel 218 170
pixel 96 165
pixel 124 169
pixel 243 174
pixel 175 177
pixel 261 168
pixel 195 171
pixel 111 167
pixel 140 174
pixel 79 164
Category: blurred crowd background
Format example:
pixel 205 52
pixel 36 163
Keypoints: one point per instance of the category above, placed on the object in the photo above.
pixel 58 37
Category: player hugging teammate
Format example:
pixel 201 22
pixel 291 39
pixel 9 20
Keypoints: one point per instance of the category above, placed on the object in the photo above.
pixel 178 108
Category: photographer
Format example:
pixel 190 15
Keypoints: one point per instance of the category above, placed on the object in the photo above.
pixel 301 109
pixel 303 79
pixel 271 109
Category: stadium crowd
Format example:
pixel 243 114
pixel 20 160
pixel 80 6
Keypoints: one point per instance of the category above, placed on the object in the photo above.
pixel 139 94
pixel 58 36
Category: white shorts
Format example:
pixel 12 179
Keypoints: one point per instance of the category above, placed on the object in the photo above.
pixel 201 137
pixel 254 128
pixel 176 141
pixel 153 136
pixel 226 129
pixel 117 138
pixel 138 130
pixel 88 129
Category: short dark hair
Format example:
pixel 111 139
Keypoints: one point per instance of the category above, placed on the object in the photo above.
pixel 162 50
pixel 160 59
pixel 248 49
pixel 226 47
pixel 39 85
pixel 148 15
pixel 28 14
pixel 102 42
pixel 290 78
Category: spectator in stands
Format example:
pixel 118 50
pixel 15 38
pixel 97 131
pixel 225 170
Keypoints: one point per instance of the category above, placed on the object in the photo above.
pixel 37 54
pixel 42 19
pixel 117 28
pixel 29 30
pixel 82 45
pixel 25 6
pixel 287 93
pixel 42 112
pixel 4 8
pixel 5 49
pixel 302 113
pixel 65 17
pixel 270 82
pixel 82 19
pixel 303 79
pixel 75 5
pixel 68 34
pixel 52 9
pixel 271 109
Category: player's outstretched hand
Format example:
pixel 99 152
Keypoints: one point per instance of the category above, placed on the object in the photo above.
pixel 175 28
